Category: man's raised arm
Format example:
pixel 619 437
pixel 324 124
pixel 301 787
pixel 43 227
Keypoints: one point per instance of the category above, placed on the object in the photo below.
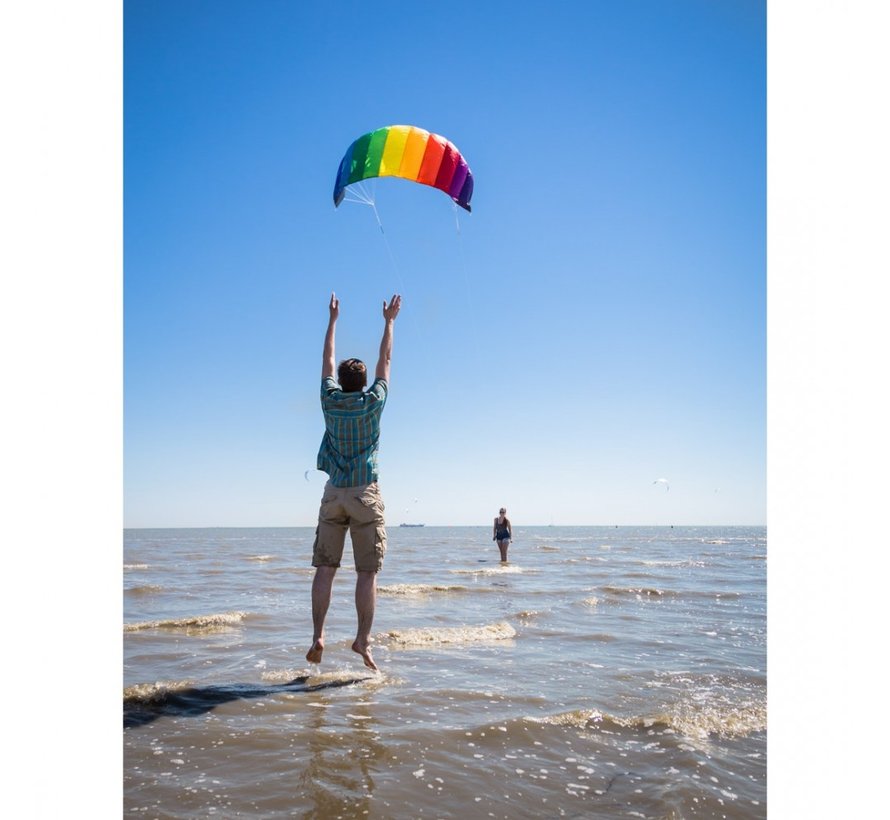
pixel 389 317
pixel 329 359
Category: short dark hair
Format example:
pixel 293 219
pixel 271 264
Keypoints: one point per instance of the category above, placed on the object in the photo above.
pixel 353 375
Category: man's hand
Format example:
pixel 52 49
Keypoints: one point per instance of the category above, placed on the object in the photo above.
pixel 329 358
pixel 392 310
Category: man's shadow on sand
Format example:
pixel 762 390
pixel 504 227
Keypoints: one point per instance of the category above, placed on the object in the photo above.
pixel 140 710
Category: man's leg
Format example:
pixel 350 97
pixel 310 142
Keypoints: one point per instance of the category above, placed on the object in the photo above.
pixel 365 604
pixel 330 535
pixel 368 531
pixel 322 584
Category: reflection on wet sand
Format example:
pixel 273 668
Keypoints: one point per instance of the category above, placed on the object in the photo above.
pixel 337 777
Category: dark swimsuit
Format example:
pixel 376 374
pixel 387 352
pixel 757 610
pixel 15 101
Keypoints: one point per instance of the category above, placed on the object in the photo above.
pixel 502 534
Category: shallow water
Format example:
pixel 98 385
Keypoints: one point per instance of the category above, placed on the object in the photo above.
pixel 602 672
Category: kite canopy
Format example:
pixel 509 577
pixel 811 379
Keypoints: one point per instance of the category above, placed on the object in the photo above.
pixel 410 153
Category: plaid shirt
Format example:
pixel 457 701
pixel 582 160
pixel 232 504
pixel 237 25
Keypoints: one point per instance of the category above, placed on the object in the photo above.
pixel 348 452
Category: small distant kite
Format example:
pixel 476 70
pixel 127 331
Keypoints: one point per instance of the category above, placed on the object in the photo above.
pixel 664 481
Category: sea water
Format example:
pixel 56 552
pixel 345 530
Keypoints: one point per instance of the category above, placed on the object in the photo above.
pixel 601 672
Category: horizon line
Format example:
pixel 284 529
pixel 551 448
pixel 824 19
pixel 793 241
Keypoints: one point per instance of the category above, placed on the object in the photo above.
pixel 413 526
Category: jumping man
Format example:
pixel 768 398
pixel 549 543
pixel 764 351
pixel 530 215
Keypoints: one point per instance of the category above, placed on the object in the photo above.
pixel 351 499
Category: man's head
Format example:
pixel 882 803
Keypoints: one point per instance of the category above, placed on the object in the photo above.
pixel 352 375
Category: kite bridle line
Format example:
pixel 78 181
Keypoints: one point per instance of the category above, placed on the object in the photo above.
pixel 463 267
pixel 359 194
pixel 363 196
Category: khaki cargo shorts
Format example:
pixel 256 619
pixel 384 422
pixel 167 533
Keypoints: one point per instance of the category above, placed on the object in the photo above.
pixel 359 510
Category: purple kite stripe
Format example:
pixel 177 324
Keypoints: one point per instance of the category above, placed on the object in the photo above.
pixel 457 181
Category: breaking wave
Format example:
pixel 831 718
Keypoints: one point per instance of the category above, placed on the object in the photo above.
pixel 501 570
pixel 451 635
pixel 145 589
pixel 691 721
pixel 649 592
pixel 155 692
pixel 418 590
pixel 318 679
pixel 203 623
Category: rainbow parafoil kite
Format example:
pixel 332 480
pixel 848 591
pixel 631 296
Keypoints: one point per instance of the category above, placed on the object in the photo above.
pixel 410 153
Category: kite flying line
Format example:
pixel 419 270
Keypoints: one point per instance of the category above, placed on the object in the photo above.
pixel 410 153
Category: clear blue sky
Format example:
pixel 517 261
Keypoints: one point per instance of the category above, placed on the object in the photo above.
pixel 598 322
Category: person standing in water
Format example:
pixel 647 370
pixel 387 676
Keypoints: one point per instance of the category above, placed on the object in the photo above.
pixel 351 499
pixel 503 532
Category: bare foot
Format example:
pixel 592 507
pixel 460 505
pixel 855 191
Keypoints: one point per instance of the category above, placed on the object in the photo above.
pixel 314 654
pixel 365 652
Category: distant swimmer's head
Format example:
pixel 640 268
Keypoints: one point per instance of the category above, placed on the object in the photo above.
pixel 353 375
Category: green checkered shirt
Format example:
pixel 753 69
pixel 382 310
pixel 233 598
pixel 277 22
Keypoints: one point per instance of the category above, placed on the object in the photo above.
pixel 348 452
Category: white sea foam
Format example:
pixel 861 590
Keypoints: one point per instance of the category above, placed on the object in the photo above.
pixel 578 718
pixel 194 622
pixel 637 591
pixel 418 590
pixel 157 691
pixel 507 569
pixel 698 720
pixel 338 676
pixel 451 635
pixel 693 720
pixel 686 562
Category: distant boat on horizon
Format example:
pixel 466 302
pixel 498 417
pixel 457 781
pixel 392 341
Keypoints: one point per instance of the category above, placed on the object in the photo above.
pixel 412 525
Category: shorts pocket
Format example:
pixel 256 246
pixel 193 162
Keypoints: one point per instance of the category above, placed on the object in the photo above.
pixel 329 509
pixel 380 545
pixel 372 501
